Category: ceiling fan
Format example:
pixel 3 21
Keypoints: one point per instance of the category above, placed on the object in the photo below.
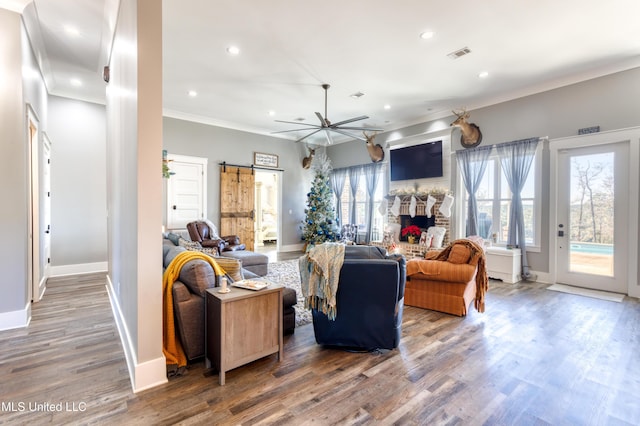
pixel 327 126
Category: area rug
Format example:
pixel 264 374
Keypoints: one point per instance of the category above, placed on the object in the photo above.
pixel 287 274
pixel 596 294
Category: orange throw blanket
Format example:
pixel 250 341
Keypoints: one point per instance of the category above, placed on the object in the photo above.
pixel 171 346
pixel 477 259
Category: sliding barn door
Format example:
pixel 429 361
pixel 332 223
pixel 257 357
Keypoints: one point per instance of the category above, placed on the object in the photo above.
pixel 237 203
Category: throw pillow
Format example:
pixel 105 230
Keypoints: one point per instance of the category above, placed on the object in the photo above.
pixel 459 254
pixel 438 235
pixel 189 245
pixel 233 267
pixel 174 238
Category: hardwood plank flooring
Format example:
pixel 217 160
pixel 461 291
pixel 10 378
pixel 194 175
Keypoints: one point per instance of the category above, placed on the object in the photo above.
pixel 534 357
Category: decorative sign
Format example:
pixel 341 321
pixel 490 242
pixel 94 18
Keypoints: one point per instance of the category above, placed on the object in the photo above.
pixel 267 160
pixel 587 130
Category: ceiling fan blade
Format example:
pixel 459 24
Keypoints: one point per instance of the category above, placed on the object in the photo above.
pixel 322 120
pixel 310 134
pixel 342 132
pixel 327 134
pixel 296 130
pixel 294 122
pixel 351 120
pixel 370 129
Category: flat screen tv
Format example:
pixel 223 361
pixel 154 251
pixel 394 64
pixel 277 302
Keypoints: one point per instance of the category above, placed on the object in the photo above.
pixel 416 161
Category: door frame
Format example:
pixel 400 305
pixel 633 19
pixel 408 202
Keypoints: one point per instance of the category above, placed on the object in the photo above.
pixel 630 136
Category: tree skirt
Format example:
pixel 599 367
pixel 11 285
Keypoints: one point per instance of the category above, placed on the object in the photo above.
pixel 288 274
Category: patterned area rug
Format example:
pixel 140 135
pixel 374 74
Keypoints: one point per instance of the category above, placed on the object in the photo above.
pixel 287 274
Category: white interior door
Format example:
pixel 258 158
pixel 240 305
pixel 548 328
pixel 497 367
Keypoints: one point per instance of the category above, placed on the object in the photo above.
pixel 186 190
pixel 592 238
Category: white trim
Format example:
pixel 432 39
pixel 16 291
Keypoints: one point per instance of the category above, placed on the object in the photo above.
pixel 15 319
pixel 78 269
pixel 145 375
pixel 630 135
pixel 292 247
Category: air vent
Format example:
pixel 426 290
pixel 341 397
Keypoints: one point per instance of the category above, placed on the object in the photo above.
pixel 458 53
pixel 357 95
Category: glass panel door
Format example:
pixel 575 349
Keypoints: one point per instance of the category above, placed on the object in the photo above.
pixel 591 241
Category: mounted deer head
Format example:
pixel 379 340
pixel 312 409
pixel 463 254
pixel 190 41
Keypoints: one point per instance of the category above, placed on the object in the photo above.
pixel 471 135
pixel 306 161
pixel 376 152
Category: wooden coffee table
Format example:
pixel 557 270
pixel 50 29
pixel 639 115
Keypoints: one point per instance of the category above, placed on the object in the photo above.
pixel 242 326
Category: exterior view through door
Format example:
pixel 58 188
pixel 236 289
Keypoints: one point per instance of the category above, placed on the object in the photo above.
pixel 592 217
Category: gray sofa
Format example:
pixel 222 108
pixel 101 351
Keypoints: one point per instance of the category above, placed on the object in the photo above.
pixel 188 292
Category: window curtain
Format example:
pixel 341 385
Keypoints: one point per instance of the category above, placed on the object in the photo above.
pixel 371 175
pixel 516 158
pixel 338 176
pixel 354 179
pixel 472 164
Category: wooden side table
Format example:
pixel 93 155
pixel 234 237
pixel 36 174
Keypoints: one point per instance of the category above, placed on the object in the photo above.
pixel 242 326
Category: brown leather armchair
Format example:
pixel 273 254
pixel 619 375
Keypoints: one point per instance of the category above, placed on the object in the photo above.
pixel 200 232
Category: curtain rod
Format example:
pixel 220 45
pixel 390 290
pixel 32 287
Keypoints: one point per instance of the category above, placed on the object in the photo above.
pixel 224 164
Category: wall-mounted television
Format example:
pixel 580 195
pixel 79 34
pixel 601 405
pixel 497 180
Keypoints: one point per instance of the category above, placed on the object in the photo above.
pixel 416 161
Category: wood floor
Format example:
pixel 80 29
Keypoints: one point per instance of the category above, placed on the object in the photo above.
pixel 535 357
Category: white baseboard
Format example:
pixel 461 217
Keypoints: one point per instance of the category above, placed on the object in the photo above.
pixel 144 375
pixel 81 268
pixel 15 319
pixel 292 247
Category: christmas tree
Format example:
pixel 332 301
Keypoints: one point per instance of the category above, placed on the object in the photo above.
pixel 320 223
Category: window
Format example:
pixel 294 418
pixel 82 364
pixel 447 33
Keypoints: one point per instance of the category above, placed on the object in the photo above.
pixel 361 205
pixel 494 200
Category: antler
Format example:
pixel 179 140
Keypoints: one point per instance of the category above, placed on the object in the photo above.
pixel 461 113
pixel 369 138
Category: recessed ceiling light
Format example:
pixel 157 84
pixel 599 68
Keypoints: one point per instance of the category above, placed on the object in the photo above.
pixel 387 106
pixel 272 113
pixel 483 74
pixel 233 50
pixel 75 82
pixel 71 30
pixel 193 93
pixel 427 35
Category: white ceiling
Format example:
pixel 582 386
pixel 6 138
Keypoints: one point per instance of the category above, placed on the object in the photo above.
pixel 289 48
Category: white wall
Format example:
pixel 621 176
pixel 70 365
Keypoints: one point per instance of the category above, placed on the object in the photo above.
pixel 14 309
pixel 611 102
pixel 237 147
pixel 77 131
pixel 134 191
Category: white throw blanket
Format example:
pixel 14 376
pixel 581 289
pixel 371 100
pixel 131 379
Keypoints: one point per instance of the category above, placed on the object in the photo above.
pixel 319 276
